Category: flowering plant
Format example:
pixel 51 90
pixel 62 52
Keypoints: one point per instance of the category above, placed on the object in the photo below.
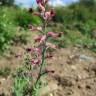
pixel 36 56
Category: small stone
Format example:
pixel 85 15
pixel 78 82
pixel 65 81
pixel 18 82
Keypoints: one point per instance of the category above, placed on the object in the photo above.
pixel 79 77
pixel 79 87
pixel 93 68
pixel 50 94
pixel 72 56
pixel 95 80
pixel 2 94
pixel 69 93
pixel 73 67
pixel 88 87
pixel 47 89
pixel 86 58
pixel 69 62
pixel 2 80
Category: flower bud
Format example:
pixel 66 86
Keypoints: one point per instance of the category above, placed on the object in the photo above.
pixel 50 45
pixel 35 61
pixel 52 34
pixel 40 39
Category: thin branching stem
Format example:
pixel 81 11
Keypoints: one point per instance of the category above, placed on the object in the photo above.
pixel 43 56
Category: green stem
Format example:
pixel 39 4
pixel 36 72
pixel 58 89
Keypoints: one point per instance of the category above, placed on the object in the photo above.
pixel 41 67
pixel 43 58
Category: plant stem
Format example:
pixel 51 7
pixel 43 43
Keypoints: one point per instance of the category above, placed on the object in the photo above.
pixel 43 57
pixel 42 64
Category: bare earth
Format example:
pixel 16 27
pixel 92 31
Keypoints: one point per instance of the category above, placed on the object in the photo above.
pixel 75 72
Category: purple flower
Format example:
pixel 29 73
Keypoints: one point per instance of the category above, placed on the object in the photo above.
pixel 35 61
pixel 29 49
pixel 40 39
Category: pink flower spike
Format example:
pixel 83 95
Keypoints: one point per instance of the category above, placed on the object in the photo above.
pixel 43 38
pixel 29 50
pixel 50 45
pixel 49 14
pixel 35 61
pixel 40 39
pixel 41 5
pixel 37 38
pixel 39 1
pixel 52 13
pixel 38 50
pixel 39 28
pixel 52 34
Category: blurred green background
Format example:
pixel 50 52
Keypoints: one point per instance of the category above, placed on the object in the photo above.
pixel 76 22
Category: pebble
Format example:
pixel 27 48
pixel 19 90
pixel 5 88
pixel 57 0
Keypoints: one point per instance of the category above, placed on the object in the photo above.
pixel 50 94
pixel 73 67
pixel 47 89
pixel 86 58
pixel 88 87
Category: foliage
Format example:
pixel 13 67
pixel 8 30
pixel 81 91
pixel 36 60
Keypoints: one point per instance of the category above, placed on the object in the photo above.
pixel 7 27
pixel 24 81
pixel 11 20
pixel 23 18
pixel 77 18
pixel 7 2
pixel 4 72
pixel 20 84
pixel 35 61
pixel 76 15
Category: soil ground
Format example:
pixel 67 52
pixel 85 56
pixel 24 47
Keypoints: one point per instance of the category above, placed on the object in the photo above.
pixel 75 71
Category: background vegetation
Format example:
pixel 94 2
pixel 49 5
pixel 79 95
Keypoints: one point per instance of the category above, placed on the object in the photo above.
pixel 11 20
pixel 76 21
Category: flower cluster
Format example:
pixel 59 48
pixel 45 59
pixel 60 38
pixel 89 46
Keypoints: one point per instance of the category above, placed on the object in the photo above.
pixel 34 58
pixel 46 15
pixel 39 53
pixel 36 52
